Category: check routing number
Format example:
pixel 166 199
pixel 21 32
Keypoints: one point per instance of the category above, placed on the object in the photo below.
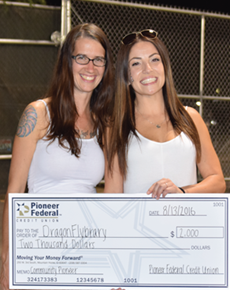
pixel 105 241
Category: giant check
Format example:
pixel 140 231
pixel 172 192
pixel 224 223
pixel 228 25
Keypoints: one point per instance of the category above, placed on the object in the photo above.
pixel 108 241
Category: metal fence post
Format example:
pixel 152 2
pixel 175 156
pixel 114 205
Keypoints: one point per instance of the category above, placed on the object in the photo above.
pixel 65 18
pixel 202 43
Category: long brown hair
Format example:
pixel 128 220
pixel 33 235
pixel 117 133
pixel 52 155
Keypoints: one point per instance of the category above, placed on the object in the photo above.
pixel 124 106
pixel 62 107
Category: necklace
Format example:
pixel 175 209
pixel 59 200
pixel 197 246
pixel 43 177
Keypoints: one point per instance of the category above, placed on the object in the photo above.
pixel 158 126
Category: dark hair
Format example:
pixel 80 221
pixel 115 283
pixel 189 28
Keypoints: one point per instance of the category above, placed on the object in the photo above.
pixel 62 107
pixel 124 106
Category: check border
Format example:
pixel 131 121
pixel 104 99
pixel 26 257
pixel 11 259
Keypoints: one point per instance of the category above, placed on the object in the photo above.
pixel 101 197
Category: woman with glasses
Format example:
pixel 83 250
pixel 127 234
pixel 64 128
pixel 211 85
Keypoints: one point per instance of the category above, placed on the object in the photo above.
pixel 59 140
pixel 156 143
pixel 58 147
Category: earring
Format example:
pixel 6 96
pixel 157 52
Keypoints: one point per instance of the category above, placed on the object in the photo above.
pixel 131 79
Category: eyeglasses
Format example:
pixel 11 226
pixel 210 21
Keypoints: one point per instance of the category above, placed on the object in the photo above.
pixel 148 33
pixel 83 59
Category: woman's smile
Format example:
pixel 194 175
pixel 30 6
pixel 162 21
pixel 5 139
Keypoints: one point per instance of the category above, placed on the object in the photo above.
pixel 148 81
pixel 88 77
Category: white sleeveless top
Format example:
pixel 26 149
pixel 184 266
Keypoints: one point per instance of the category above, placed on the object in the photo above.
pixel 149 161
pixel 55 170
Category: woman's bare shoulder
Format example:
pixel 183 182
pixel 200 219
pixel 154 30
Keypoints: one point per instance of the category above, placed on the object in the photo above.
pixel 191 110
pixel 40 105
pixel 194 114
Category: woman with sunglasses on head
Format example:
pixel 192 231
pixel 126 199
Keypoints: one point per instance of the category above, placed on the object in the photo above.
pixel 155 142
pixel 58 147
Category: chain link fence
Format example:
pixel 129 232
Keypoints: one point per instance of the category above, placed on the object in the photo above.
pixel 27 58
pixel 201 73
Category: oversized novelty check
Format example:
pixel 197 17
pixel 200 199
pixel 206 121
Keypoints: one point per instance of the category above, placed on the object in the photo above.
pixel 108 241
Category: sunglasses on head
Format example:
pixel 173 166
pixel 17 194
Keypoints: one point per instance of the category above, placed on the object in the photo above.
pixel 148 33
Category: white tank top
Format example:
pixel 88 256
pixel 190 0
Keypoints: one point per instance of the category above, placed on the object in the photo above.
pixel 149 161
pixel 55 170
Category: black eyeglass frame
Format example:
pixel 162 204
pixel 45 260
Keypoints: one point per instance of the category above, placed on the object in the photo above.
pixel 89 59
pixel 150 33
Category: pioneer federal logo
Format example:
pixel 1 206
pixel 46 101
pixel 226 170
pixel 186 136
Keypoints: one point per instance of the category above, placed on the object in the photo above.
pixel 38 209
pixel 22 209
pixel 44 209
